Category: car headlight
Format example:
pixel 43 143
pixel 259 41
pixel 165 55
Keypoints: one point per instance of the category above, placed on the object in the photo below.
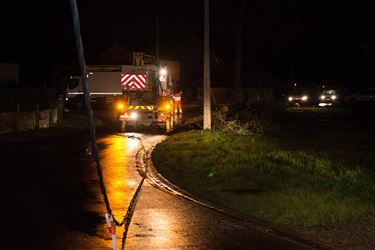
pixel 304 98
pixel 333 97
pixel 133 115
pixel 322 97
pixel 290 98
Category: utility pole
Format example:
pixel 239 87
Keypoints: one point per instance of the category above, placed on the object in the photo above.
pixel 157 39
pixel 206 70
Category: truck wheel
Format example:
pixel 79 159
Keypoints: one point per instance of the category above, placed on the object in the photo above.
pixel 123 126
pixel 169 124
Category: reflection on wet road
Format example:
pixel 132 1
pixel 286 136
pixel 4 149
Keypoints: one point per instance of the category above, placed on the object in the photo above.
pixel 164 221
pixel 117 155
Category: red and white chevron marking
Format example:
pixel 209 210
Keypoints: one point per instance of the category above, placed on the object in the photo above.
pixel 132 81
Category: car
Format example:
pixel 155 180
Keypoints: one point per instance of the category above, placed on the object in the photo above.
pixel 328 97
pixel 298 97
pixel 361 96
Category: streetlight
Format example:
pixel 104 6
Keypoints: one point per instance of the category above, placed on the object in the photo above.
pixel 163 74
pixel 163 71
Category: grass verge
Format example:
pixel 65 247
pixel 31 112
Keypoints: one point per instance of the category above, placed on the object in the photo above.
pixel 323 187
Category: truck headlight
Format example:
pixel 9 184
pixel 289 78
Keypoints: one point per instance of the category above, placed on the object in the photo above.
pixel 322 97
pixel 333 97
pixel 133 115
pixel 290 98
pixel 304 98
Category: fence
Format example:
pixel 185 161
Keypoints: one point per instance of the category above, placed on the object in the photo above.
pixel 10 121
pixel 25 109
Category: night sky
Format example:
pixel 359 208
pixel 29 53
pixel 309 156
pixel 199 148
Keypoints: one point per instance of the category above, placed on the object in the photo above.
pixel 322 40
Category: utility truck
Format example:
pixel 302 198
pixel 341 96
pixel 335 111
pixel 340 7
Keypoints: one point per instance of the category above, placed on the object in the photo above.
pixel 135 95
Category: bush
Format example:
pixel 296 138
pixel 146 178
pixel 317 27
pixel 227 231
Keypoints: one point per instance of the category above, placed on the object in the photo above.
pixel 254 119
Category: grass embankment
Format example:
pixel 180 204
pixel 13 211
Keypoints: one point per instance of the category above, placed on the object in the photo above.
pixel 314 172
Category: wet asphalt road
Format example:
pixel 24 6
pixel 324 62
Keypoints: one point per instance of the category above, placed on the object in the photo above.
pixel 59 205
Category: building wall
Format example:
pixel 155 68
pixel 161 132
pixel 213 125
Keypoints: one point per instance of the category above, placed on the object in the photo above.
pixel 9 75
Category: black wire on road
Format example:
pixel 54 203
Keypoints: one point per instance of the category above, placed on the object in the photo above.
pixel 82 64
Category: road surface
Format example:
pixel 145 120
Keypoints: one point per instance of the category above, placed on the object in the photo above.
pixel 59 205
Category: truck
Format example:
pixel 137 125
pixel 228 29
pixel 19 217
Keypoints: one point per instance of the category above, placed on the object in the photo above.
pixel 137 96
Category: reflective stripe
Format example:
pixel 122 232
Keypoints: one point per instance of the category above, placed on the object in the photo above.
pixel 141 107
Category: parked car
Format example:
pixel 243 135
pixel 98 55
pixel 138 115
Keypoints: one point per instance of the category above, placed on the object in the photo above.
pixel 362 96
pixel 328 97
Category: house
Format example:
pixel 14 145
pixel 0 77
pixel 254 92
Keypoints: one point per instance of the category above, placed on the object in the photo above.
pixel 116 55
pixel 190 54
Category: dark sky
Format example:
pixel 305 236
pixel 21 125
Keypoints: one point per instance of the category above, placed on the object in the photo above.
pixel 322 40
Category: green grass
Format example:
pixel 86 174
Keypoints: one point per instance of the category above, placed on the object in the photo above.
pixel 322 178
pixel 294 188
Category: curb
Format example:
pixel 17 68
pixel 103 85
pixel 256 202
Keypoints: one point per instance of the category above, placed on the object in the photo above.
pixel 160 182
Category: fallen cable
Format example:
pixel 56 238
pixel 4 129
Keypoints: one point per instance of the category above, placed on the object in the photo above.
pixel 111 221
pixel 82 65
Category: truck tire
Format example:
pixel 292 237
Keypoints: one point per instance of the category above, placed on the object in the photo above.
pixel 169 124
pixel 123 126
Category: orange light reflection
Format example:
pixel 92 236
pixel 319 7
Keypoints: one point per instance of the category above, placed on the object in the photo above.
pixel 117 160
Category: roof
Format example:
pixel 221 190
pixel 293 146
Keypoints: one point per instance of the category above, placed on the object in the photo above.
pixel 116 55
